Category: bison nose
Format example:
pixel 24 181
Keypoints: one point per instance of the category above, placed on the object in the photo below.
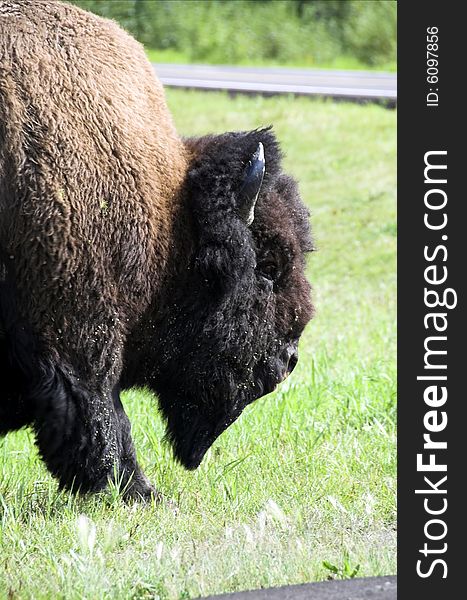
pixel 293 360
pixel 290 358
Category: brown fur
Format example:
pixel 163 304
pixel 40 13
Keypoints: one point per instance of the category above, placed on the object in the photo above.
pixel 89 149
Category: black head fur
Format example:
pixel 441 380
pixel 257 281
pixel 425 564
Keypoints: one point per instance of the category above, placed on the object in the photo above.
pixel 239 307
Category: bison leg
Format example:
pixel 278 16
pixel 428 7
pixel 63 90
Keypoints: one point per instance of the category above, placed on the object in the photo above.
pixel 15 348
pixel 75 430
pixel 136 484
pixel 84 436
pixel 15 410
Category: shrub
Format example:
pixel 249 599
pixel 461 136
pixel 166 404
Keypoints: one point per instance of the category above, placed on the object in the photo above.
pixel 310 32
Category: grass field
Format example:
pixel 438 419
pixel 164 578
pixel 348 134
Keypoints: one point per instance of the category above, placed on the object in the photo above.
pixel 302 487
pixel 341 62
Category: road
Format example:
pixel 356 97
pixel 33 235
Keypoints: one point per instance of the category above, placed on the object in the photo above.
pixel 371 588
pixel 350 85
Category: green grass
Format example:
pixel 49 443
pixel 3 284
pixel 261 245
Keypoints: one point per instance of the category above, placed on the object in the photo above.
pixel 303 486
pixel 340 62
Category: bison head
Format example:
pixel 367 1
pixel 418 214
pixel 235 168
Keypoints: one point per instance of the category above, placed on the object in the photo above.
pixel 241 300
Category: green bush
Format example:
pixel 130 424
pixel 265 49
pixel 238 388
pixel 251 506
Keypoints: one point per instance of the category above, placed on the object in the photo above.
pixel 242 31
pixel 370 31
pixel 312 32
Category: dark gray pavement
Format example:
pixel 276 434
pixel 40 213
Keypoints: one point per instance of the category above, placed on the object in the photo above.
pixel 351 85
pixel 371 588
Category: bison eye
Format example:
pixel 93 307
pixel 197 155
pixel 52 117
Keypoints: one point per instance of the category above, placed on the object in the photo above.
pixel 269 269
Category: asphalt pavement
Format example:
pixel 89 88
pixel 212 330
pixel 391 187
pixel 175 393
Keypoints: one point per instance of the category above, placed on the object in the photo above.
pixel 371 588
pixel 350 85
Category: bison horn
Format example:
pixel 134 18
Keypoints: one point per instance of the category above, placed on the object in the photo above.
pixel 251 185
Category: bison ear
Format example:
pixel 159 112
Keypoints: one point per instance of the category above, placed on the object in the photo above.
pixel 226 174
pixel 251 185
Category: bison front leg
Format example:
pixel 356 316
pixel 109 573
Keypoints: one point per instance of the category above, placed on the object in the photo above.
pixel 135 483
pixel 84 436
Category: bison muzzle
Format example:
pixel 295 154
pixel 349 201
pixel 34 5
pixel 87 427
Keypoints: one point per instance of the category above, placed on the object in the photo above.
pixel 130 256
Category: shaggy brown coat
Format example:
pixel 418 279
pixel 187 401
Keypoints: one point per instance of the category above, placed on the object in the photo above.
pixel 90 151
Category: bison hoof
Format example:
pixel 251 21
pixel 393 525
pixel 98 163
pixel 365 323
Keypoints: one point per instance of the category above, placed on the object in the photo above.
pixel 142 491
pixel 147 495
pixel 140 494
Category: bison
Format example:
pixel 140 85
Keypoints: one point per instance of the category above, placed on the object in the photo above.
pixel 130 256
